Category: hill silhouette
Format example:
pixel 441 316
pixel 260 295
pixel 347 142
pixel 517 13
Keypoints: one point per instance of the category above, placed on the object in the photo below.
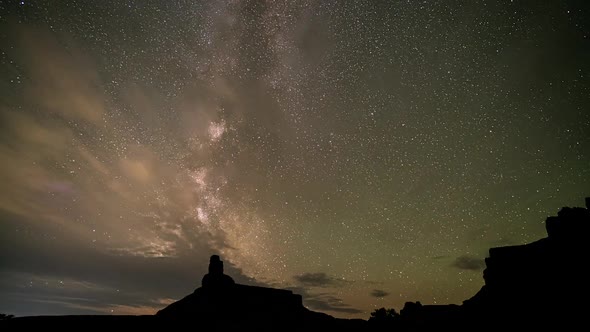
pixel 532 285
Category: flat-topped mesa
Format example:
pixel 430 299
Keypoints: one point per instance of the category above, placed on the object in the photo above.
pixel 566 240
pixel 215 278
pixel 220 295
pixel 534 279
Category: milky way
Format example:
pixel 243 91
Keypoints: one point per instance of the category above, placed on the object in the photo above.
pixel 360 153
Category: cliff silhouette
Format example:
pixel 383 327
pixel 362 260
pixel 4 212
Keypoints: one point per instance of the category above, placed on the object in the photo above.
pixel 543 281
pixel 536 285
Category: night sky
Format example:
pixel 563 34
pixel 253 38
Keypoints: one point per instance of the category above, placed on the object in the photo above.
pixel 360 153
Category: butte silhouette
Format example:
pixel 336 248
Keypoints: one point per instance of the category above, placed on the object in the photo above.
pixel 223 303
pixel 219 294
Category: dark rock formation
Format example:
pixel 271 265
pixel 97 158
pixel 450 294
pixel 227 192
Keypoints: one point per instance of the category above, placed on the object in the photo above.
pixel 534 286
pixel 222 303
pixel 415 313
pixel 539 281
pixel 215 278
pixel 220 295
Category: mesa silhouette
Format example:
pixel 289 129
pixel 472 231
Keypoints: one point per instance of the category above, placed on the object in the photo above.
pixel 533 285
pixel 536 285
pixel 220 302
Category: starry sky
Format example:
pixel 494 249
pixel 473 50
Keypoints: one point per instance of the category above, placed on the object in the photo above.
pixel 361 153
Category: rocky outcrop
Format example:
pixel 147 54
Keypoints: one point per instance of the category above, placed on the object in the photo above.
pixel 222 303
pixel 221 296
pixel 539 279
pixel 215 278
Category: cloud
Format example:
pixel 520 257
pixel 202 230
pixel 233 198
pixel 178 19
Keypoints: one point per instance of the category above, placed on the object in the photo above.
pixel 92 279
pixel 65 295
pixel 318 279
pixel 64 82
pixel 133 182
pixel 330 303
pixel 468 263
pixel 324 301
pixel 378 293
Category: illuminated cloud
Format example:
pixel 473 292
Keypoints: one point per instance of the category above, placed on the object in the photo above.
pixel 355 140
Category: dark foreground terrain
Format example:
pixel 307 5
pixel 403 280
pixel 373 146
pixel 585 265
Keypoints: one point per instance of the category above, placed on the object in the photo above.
pixel 537 285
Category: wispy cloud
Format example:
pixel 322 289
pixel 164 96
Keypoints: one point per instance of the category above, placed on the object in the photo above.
pixel 324 301
pixel 470 263
pixel 378 293
pixel 319 279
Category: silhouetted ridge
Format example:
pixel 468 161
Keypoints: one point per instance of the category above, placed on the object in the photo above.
pixel 220 294
pixel 539 279
pixel 536 285
pixel 248 306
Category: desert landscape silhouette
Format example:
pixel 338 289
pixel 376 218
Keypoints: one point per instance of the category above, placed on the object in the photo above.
pixel 543 283
pixel 294 165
